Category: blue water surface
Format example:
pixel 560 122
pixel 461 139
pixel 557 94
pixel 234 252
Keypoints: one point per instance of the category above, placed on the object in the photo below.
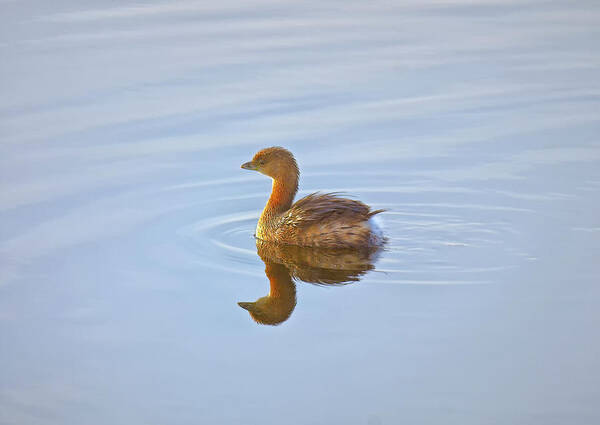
pixel 126 223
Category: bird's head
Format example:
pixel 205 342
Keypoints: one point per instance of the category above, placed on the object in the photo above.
pixel 275 162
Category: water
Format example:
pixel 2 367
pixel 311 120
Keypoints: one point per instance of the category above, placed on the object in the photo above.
pixel 126 239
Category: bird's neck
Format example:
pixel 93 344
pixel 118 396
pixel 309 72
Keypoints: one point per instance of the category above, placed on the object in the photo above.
pixel 282 195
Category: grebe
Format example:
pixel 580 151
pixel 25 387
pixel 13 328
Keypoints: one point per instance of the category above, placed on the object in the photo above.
pixel 320 219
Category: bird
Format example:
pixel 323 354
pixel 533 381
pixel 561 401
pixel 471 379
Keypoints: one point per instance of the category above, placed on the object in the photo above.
pixel 323 220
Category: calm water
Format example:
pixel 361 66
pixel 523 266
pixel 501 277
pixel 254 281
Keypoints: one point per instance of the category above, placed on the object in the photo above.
pixel 126 237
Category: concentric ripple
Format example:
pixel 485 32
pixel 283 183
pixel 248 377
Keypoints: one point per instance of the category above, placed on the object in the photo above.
pixel 449 240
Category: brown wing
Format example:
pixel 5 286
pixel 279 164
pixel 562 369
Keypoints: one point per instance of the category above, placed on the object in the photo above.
pixel 327 220
pixel 320 207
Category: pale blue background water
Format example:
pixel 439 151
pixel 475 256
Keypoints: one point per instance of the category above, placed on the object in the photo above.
pixel 126 223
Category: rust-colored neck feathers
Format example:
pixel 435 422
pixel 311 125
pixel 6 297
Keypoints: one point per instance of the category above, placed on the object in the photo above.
pixel 283 192
pixel 279 164
pixel 284 172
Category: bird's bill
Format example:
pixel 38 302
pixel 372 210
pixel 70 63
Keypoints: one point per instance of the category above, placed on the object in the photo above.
pixel 249 166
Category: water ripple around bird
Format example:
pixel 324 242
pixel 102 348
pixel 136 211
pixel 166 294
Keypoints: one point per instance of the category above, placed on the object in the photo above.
pixel 441 241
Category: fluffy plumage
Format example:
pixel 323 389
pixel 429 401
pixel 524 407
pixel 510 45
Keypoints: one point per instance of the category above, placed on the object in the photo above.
pixel 323 220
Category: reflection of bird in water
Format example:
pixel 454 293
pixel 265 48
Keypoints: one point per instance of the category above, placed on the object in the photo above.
pixel 286 263
pixel 320 219
pixel 278 305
